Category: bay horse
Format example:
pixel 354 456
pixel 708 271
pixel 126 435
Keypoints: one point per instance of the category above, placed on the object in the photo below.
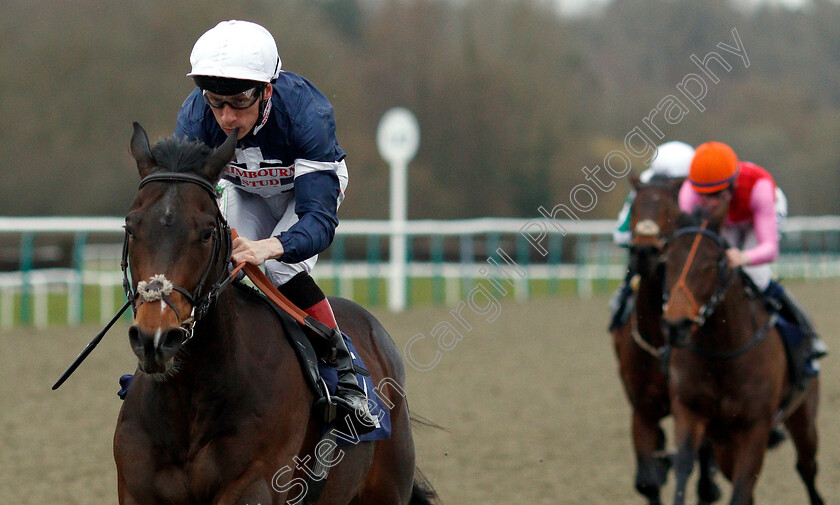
pixel 639 341
pixel 729 376
pixel 219 411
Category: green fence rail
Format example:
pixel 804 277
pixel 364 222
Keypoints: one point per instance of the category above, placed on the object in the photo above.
pixel 80 280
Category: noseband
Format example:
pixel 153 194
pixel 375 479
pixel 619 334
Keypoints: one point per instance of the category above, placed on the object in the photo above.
pixel 158 287
pixel 704 312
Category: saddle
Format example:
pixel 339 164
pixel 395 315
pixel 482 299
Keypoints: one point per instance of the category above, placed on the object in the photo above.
pixel 796 343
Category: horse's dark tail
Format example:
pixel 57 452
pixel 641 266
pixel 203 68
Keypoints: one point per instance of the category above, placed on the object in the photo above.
pixel 422 493
pixel 418 420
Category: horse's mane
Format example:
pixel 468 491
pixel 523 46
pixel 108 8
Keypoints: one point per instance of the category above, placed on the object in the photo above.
pixel 176 154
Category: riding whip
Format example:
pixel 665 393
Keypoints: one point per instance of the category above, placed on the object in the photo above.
pixel 89 348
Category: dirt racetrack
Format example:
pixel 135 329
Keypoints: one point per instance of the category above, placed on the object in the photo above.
pixel 531 401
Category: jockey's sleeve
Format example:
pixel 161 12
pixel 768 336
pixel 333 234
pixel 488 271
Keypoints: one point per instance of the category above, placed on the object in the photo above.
pixel 318 192
pixel 689 199
pixel 762 203
pixel 188 125
pixel 621 233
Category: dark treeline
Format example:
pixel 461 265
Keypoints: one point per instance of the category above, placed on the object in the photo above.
pixel 513 101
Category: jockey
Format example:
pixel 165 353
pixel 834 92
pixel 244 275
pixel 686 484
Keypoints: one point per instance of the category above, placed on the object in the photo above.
pixel 671 160
pixel 756 209
pixel 283 188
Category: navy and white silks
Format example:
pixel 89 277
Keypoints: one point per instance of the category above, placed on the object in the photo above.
pixel 288 175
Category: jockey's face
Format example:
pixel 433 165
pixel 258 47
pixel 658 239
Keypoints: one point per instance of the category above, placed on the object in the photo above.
pixel 713 201
pixel 244 118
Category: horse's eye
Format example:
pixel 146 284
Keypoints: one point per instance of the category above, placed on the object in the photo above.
pixel 206 235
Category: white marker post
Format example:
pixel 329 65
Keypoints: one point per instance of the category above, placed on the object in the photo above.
pixel 397 139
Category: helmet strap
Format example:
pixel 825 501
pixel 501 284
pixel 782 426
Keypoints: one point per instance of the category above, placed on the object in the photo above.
pixel 265 107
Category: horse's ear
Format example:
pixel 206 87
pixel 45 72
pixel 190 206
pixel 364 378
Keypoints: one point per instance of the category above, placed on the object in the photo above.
pixel 220 157
pixel 676 184
pixel 717 216
pixel 634 181
pixel 686 219
pixel 141 151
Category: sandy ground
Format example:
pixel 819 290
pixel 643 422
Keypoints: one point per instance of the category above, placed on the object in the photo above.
pixel 531 402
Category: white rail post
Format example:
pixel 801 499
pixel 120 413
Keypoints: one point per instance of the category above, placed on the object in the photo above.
pixel 397 139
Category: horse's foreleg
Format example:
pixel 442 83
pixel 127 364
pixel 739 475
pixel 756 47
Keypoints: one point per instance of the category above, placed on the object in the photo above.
pixel 251 488
pixel 689 434
pixel 651 471
pixel 707 490
pixel 750 447
pixel 803 430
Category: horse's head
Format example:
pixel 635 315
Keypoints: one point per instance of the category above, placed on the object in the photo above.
pixel 697 275
pixel 177 245
pixel 655 212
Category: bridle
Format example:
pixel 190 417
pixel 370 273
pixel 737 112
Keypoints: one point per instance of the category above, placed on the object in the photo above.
pixel 726 276
pixel 158 288
pixel 703 313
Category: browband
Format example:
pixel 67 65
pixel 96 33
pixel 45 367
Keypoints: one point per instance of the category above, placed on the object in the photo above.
pixel 181 177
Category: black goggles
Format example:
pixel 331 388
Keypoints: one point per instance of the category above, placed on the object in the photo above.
pixel 238 101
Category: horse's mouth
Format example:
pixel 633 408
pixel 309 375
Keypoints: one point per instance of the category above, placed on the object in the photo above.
pixel 159 370
pixel 156 349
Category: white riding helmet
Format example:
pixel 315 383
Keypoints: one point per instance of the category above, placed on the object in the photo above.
pixel 238 50
pixel 672 159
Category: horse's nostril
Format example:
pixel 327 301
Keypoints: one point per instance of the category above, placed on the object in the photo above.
pixel 135 341
pixel 676 331
pixel 171 340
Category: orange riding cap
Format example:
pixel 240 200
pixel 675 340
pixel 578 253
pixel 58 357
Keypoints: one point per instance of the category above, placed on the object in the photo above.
pixel 713 167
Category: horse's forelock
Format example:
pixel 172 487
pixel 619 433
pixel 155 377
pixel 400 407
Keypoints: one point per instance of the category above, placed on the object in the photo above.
pixel 175 154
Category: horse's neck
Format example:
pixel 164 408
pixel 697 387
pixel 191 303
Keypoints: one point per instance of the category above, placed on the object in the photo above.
pixel 649 295
pixel 649 308
pixel 734 321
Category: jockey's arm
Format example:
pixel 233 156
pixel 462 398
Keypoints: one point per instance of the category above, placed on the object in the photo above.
pixel 622 233
pixel 688 198
pixel 762 203
pixel 318 192
pixel 765 225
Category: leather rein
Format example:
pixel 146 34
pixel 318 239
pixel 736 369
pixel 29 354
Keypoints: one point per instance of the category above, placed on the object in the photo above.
pixel 159 289
pixel 704 312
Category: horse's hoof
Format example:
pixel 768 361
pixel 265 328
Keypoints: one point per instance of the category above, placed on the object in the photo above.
pixel 662 464
pixel 708 492
pixel 777 436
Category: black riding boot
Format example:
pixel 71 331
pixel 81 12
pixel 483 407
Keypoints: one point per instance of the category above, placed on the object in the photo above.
pixel 350 400
pixel 622 304
pixel 795 314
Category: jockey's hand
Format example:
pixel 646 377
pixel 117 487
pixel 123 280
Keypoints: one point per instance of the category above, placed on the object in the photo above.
pixel 737 258
pixel 255 252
